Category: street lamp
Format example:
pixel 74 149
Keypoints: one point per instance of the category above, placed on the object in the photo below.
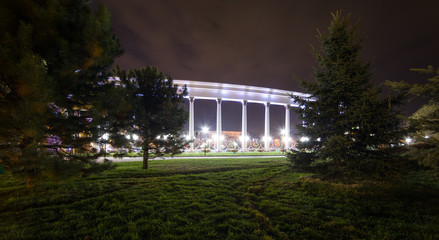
pixel 105 137
pixel 205 130
pixel 283 140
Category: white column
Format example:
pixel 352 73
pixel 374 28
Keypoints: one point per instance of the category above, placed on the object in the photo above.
pixel 191 122
pixel 287 126
pixel 218 125
pixel 244 126
pixel 267 127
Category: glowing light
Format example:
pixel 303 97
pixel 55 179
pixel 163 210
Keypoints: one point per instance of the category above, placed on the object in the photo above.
pixel 266 138
pixel 319 139
pixel 135 137
pixel 188 137
pixel 127 136
pixel 105 136
pixel 205 129
pixel 283 132
pixel 215 137
pixel 158 137
pixel 246 138
pixel 427 136
pixel 408 140
pixel 304 139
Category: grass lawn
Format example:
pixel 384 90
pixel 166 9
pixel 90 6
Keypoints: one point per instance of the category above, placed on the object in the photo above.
pixel 218 199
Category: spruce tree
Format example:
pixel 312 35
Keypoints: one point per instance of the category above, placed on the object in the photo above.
pixel 423 125
pixel 344 120
pixel 155 113
pixel 55 56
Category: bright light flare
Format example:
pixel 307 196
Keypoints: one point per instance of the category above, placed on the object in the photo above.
pixel 266 138
pixel 304 139
pixel 215 137
pixel 135 137
pixel 241 138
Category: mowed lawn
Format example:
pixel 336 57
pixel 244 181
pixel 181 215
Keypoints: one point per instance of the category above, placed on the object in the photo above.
pixel 219 199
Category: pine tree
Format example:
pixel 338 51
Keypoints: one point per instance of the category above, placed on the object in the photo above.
pixel 55 55
pixel 424 123
pixel 24 93
pixel 155 111
pixel 344 120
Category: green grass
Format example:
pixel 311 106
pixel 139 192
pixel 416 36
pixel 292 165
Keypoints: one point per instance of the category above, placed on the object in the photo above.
pixel 218 199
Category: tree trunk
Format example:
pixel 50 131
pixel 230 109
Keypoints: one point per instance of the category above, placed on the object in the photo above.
pixel 145 157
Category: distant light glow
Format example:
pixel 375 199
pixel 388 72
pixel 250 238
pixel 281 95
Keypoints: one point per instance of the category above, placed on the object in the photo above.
pixel 135 137
pixel 408 140
pixel 246 138
pixel 205 129
pixel 105 136
pixel 266 138
pixel 304 139
pixel 215 137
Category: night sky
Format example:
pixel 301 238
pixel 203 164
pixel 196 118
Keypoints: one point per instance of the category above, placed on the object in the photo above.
pixel 262 43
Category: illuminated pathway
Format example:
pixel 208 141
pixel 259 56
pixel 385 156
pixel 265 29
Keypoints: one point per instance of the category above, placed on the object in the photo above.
pixel 240 93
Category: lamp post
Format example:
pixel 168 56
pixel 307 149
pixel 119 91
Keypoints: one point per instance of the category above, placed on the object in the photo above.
pixel 105 137
pixel 283 141
pixel 205 130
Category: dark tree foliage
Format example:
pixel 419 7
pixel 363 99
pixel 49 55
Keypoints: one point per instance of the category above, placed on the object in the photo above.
pixel 344 119
pixel 155 113
pixel 54 58
pixel 423 125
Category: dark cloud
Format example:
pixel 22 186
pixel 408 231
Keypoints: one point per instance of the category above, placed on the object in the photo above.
pixel 263 42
